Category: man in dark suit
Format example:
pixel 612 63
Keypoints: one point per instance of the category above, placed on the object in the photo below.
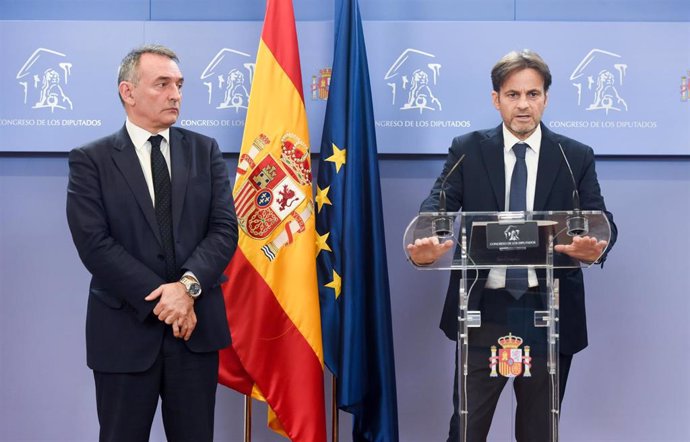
pixel 151 214
pixel 482 183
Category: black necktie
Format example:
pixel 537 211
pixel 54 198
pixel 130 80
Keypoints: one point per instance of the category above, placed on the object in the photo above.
pixel 516 279
pixel 163 202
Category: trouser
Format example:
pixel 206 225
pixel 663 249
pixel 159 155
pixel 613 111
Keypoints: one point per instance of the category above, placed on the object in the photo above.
pixel 503 315
pixel 186 383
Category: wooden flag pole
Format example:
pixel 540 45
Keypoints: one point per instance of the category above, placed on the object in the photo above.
pixel 334 410
pixel 247 418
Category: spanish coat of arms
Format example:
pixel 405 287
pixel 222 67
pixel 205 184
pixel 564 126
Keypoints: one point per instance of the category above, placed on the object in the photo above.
pixel 273 191
pixel 510 359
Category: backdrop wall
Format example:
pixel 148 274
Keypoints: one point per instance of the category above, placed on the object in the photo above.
pixel 629 385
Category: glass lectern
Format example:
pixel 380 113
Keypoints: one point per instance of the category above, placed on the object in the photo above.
pixel 500 338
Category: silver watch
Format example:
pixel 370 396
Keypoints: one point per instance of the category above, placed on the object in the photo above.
pixel 192 286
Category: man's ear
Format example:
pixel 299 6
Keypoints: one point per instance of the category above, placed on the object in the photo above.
pixel 495 99
pixel 125 88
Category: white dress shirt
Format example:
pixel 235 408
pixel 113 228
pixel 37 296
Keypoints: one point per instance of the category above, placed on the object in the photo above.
pixel 497 277
pixel 142 146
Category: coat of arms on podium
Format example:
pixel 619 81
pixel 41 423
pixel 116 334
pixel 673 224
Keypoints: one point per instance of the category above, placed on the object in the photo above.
pixel 510 359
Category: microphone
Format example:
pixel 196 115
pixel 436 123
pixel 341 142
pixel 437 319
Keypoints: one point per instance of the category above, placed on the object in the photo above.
pixel 577 223
pixel 442 226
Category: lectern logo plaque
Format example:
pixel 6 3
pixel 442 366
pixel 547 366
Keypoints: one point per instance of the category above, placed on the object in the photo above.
pixel 510 359
pixel 514 236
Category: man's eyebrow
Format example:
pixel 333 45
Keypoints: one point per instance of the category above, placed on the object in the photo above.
pixel 169 78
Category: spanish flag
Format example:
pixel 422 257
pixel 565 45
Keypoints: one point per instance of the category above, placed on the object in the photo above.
pixel 271 294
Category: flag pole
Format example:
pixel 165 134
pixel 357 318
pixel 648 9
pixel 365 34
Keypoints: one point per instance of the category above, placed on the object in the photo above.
pixel 334 410
pixel 247 418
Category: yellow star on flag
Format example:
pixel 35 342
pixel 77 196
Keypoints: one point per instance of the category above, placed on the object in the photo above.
pixel 322 197
pixel 338 157
pixel 321 243
pixel 336 284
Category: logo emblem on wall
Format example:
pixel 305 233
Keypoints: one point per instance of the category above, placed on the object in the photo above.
pixel 228 77
pixel 510 360
pixel 44 78
pixel 599 81
pixel 412 78
pixel 320 84
pixel 685 87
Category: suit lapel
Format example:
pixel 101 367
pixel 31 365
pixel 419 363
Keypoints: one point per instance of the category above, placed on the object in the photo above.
pixel 492 154
pixel 180 153
pixel 549 165
pixel 126 160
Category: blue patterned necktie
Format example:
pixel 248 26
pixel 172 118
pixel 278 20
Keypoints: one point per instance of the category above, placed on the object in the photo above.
pixel 516 278
pixel 163 197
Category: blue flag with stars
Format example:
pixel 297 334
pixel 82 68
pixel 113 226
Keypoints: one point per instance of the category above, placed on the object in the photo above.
pixel 353 275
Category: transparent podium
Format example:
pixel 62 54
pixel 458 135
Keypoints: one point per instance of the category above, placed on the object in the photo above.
pixel 506 334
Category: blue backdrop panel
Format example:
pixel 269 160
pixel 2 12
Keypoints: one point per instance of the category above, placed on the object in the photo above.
pixel 323 10
pixel 437 10
pixel 58 81
pixel 597 10
pixel 217 60
pixel 430 80
pixel 74 10
pixel 213 10
pixel 234 10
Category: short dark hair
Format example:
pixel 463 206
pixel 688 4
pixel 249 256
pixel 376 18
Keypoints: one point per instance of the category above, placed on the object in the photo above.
pixel 129 64
pixel 517 61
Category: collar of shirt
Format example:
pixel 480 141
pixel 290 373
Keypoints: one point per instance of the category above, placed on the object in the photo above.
pixel 140 136
pixel 497 277
pixel 509 140
pixel 531 160
pixel 142 147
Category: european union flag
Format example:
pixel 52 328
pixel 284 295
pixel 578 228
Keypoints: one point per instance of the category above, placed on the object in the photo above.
pixel 353 274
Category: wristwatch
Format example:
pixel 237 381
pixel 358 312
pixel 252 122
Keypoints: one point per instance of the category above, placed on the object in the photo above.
pixel 192 286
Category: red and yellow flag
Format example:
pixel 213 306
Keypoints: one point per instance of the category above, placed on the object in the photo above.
pixel 271 295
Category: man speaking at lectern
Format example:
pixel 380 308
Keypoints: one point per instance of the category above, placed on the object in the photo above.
pixel 519 166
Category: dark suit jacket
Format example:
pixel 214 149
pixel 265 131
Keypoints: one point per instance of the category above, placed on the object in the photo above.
pixel 113 225
pixel 479 185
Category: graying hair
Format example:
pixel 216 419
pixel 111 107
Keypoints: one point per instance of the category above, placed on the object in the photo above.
pixel 129 65
pixel 517 61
